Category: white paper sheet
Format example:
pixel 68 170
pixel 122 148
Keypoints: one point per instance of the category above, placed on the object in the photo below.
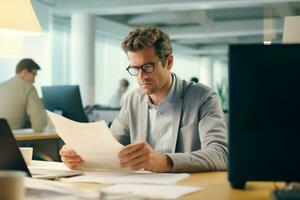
pixel 109 177
pixel 42 186
pixel 151 191
pixel 92 141
pixel 38 164
pixel 54 186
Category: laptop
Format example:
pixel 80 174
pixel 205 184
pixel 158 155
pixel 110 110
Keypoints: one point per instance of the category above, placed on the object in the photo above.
pixel 12 159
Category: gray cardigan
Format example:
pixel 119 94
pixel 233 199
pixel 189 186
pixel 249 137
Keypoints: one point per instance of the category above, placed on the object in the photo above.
pixel 199 135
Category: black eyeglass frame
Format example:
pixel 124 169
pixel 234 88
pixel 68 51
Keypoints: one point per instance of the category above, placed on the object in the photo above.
pixel 143 67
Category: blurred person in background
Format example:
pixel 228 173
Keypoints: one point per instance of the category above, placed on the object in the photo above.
pixel 116 101
pixel 19 102
pixel 194 79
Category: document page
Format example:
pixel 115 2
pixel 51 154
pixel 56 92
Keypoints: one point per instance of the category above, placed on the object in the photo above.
pixel 92 141
pixel 37 189
pixel 151 191
pixel 136 177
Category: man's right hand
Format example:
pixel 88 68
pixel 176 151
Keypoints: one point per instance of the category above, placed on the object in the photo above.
pixel 69 157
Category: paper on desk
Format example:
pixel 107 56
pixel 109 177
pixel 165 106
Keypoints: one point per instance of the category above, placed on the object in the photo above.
pixel 92 141
pixel 41 186
pixel 50 165
pixel 152 191
pixel 54 186
pixel 110 177
pixel 23 131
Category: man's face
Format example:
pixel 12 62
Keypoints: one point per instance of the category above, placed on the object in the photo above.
pixel 29 76
pixel 153 82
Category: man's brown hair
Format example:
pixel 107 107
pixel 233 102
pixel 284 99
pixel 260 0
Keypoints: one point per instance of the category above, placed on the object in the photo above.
pixel 28 64
pixel 144 37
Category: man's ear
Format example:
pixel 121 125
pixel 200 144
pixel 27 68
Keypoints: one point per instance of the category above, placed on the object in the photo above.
pixel 23 72
pixel 169 62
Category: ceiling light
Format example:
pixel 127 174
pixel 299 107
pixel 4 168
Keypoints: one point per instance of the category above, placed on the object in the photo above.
pixel 17 19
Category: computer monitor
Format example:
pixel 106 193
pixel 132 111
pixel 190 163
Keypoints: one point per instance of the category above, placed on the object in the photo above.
pixel 65 100
pixel 264 98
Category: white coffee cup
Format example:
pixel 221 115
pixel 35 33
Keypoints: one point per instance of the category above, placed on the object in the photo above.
pixel 27 154
pixel 12 185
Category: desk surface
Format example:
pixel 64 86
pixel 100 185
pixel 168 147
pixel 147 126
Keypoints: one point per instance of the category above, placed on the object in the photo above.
pixel 215 186
pixel 20 137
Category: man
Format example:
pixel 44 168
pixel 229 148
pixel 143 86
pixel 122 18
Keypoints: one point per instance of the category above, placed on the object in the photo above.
pixel 19 98
pixel 117 99
pixel 168 125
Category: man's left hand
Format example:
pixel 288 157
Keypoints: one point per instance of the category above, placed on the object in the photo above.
pixel 142 156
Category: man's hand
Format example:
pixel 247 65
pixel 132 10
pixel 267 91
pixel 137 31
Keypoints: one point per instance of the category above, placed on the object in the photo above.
pixel 69 157
pixel 142 156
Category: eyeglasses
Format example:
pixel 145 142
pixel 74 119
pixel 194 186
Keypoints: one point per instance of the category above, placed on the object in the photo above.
pixel 146 68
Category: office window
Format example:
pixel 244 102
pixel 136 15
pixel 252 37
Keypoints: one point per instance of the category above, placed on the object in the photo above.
pixel 61 49
pixel 188 66
pixel 110 68
pixel 220 81
pixel 7 68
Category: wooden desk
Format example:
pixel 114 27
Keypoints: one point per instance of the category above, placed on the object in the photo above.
pixel 20 137
pixel 215 187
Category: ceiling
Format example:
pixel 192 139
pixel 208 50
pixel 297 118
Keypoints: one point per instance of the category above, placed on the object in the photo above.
pixel 199 27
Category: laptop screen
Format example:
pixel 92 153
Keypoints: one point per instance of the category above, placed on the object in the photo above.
pixel 10 155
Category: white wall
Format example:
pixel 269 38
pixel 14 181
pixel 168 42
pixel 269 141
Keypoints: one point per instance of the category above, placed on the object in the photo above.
pixel 37 48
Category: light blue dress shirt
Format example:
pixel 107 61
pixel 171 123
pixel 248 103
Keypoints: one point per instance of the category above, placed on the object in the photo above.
pixel 160 122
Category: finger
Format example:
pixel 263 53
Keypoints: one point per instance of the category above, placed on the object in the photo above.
pixel 71 164
pixel 135 155
pixel 66 150
pixel 138 166
pixel 131 148
pixel 72 159
pixel 63 152
pixel 76 157
pixel 68 159
pixel 134 162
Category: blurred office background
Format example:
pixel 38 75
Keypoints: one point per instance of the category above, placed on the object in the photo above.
pixel 80 42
